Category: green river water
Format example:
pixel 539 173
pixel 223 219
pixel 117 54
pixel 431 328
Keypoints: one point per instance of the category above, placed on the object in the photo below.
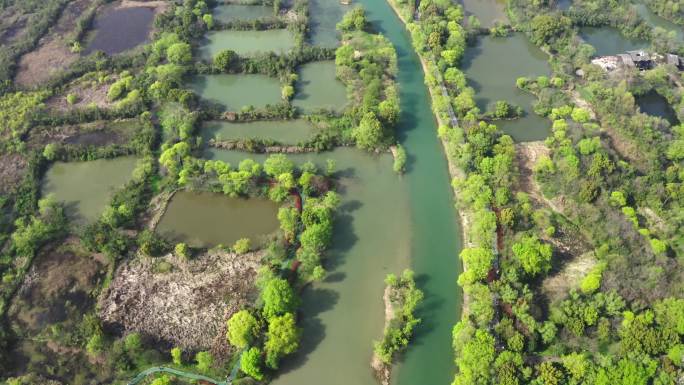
pixel 386 223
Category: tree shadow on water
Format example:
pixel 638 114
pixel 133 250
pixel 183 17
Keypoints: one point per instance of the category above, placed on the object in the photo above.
pixel 316 301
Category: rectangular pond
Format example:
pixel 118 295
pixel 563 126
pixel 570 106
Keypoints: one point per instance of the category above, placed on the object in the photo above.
pixel 120 29
pixel 234 91
pixel 318 88
pixel 86 187
pixel 489 12
pixel 205 219
pixel 226 13
pixel 282 131
pixel 247 43
pixel 493 81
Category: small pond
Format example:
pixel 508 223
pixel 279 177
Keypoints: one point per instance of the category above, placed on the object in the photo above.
pixel 204 219
pixel 487 11
pixel 247 43
pixel 86 187
pixel 609 41
pixel 121 29
pixel 493 81
pixel 236 91
pixel 231 12
pixel 283 131
pixel 323 18
pixel 654 104
pixel 657 21
pixel 318 87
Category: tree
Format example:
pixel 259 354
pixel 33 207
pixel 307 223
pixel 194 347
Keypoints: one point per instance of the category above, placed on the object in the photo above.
pixel 179 53
pixel 288 218
pixel 368 134
pixel 475 358
pixel 278 164
pixel 242 245
pixel 533 255
pixel 177 356
pixel 282 338
pixel 478 261
pixel 354 20
pixel 50 151
pixel 250 363
pixel 546 28
pixel 242 328
pixel 204 361
pixel 72 99
pixel 278 298
pixel 182 250
pixel 549 374
pixel 225 60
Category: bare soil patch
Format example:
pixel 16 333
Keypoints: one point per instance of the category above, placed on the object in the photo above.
pixel 528 154
pixel 87 93
pixel 98 133
pixel 557 287
pixel 12 25
pixel 53 54
pixel 188 305
pixel 12 170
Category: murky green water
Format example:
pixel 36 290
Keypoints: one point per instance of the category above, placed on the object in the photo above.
pixel 385 219
pixel 285 132
pixel 609 41
pixel 493 81
pixel 318 87
pixel 236 91
pixel 654 104
pixel 231 12
pixel 86 187
pixel 121 29
pixel 204 219
pixel 656 21
pixel 487 11
pixel 343 314
pixel 247 43
pixel 323 18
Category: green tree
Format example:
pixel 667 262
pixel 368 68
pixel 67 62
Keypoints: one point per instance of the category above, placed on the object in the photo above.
pixel 225 60
pixel 478 261
pixel 242 329
pixel 278 164
pixel 549 374
pixel 179 53
pixel 282 338
pixel 278 298
pixel 242 245
pixel 288 218
pixel 182 250
pixel 177 356
pixel 533 255
pixel 250 363
pixel 204 361
pixel 369 133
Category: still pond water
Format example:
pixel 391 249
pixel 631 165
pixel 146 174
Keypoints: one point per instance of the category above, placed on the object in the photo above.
pixel 204 219
pixel 121 29
pixel 234 91
pixel 230 12
pixel 285 132
pixel 247 43
pixel 654 104
pixel 493 81
pixel 86 187
pixel 318 88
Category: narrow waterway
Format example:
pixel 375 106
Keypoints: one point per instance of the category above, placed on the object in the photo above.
pixel 436 239
pixel 388 222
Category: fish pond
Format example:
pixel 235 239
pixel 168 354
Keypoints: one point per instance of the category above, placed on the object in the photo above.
pixel 318 88
pixel 657 21
pixel 205 219
pixel 609 41
pixel 654 104
pixel 282 131
pixel 488 12
pixel 493 82
pixel 247 43
pixel 226 13
pixel 86 187
pixel 119 30
pixel 323 18
pixel 234 91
